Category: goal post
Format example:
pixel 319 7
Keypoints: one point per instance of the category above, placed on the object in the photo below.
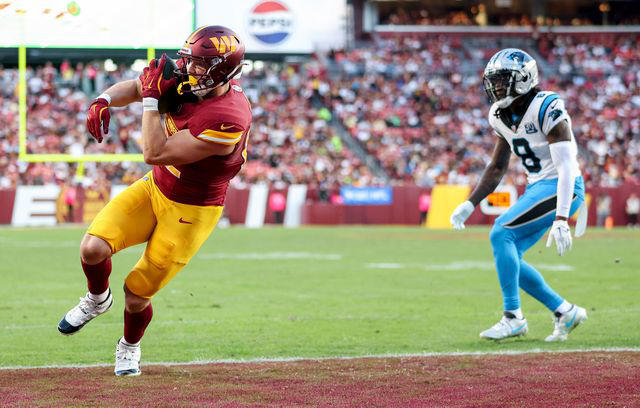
pixel 24 156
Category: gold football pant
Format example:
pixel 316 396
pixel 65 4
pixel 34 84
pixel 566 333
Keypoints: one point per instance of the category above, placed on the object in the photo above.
pixel 174 232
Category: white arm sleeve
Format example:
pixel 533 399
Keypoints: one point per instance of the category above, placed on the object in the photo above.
pixel 564 158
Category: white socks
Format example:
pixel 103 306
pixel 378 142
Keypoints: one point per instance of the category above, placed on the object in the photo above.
pixel 564 307
pixel 123 341
pixel 99 298
pixel 517 313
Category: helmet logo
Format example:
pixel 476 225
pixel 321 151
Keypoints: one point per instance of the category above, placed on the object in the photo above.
pixel 516 56
pixel 225 42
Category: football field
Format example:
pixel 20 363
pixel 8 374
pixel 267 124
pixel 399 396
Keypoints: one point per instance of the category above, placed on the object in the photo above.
pixel 314 292
pixel 335 316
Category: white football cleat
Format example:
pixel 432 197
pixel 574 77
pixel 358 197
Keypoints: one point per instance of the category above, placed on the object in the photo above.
pixel 83 313
pixel 564 323
pixel 127 359
pixel 506 328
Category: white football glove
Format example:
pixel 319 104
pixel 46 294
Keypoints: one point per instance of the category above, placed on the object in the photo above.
pixel 460 214
pixel 561 233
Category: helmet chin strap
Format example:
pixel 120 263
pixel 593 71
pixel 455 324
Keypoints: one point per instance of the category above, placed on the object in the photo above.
pixel 508 101
pixel 505 102
pixel 201 93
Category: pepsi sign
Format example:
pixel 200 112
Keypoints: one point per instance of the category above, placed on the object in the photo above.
pixel 270 22
pixel 278 26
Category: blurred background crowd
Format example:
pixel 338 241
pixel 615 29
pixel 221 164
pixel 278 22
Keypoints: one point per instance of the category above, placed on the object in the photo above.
pixel 398 109
pixel 418 14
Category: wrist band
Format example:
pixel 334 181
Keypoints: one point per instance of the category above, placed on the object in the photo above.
pixel 105 96
pixel 149 104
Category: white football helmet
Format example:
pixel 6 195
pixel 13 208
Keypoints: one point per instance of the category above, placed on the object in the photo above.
pixel 509 74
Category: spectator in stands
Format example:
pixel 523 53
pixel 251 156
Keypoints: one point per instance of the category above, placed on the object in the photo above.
pixel 70 200
pixel 632 208
pixel 603 209
pixel 424 202
pixel 277 204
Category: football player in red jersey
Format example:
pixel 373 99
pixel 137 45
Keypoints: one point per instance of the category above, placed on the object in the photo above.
pixel 196 148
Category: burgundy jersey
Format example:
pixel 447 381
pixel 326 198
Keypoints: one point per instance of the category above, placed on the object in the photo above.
pixel 225 119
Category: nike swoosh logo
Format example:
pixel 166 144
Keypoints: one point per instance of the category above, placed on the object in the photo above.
pixel 517 329
pixel 182 221
pixel 225 127
pixel 570 322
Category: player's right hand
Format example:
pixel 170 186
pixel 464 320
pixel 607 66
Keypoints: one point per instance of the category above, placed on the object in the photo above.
pixel 98 117
pixel 153 82
pixel 460 214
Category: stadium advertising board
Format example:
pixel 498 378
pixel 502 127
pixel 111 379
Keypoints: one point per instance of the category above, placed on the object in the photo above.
pixel 366 195
pixel 498 202
pixel 274 26
pixel 94 24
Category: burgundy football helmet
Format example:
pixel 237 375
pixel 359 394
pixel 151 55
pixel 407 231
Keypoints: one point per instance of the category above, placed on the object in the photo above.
pixel 218 50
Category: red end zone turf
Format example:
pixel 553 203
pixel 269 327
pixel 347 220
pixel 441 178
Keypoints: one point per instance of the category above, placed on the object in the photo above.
pixel 539 379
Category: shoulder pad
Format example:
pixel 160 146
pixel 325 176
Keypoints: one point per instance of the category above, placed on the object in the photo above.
pixel 549 97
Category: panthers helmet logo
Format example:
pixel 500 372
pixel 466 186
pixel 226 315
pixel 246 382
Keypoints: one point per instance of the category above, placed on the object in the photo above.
pixel 516 56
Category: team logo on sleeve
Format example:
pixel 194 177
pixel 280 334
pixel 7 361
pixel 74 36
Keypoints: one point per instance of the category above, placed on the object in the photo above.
pixel 270 22
pixel 555 114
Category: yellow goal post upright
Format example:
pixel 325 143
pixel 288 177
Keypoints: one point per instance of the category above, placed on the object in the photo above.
pixel 21 28
pixel 24 156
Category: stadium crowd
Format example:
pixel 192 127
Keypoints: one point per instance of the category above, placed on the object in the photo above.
pixel 291 141
pixel 416 105
pixel 476 15
pixel 57 99
pixel 408 103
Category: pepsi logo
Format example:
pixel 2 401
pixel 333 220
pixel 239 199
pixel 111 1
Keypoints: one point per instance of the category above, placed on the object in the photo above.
pixel 270 22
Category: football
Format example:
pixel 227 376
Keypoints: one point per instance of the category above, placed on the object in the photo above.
pixel 168 71
pixel 168 101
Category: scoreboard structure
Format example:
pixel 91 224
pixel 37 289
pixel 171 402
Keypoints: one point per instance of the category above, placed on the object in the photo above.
pixel 88 24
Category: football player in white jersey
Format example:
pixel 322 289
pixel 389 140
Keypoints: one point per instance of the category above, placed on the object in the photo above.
pixel 536 127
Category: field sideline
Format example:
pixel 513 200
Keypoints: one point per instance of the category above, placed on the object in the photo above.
pixel 612 350
pixel 542 380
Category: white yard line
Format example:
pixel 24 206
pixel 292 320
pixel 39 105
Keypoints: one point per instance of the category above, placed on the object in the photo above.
pixel 6 241
pixel 271 256
pixel 459 266
pixel 293 359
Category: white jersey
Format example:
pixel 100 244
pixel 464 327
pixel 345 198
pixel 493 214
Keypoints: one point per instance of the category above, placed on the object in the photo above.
pixel 529 140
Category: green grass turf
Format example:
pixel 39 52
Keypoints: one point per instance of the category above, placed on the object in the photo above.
pixel 432 291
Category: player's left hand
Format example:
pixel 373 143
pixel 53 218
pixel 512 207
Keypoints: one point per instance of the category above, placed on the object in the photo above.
pixel 460 214
pixel 153 83
pixel 561 233
pixel 98 117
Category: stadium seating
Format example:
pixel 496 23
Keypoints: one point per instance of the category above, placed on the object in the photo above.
pixel 414 104
pixel 406 101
